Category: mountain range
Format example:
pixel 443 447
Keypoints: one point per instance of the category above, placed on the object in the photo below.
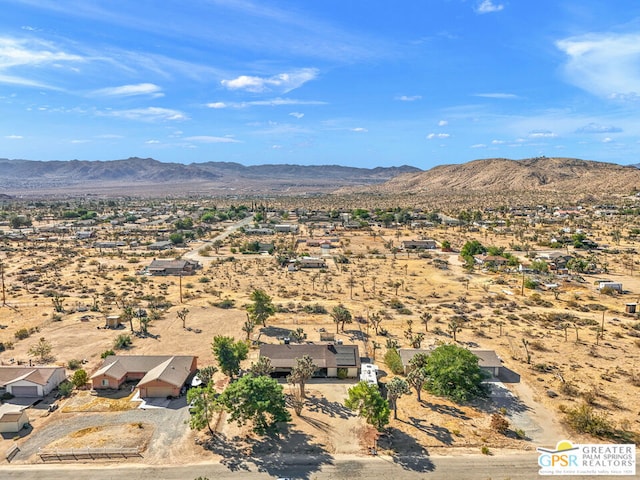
pixel 146 176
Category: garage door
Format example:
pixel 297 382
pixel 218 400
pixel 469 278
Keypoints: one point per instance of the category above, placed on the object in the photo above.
pixel 19 391
pixel 159 391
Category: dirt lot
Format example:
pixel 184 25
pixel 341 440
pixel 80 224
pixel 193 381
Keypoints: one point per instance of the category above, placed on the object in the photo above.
pixel 497 317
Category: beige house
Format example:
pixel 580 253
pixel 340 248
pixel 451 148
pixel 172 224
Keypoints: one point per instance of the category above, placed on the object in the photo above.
pixel 12 418
pixel 158 375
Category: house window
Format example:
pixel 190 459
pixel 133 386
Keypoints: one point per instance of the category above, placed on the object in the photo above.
pixel 105 382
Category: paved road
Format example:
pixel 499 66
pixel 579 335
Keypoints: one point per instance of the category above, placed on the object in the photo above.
pixel 520 466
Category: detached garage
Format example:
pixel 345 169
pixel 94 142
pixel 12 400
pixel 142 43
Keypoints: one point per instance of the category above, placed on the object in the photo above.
pixel 31 381
pixel 12 419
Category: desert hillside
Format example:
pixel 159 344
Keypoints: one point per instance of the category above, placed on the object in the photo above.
pixel 535 174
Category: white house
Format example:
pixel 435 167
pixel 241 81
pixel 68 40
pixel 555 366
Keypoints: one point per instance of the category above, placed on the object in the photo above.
pixel 24 381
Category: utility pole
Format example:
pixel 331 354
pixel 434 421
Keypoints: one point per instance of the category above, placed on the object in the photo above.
pixel 4 295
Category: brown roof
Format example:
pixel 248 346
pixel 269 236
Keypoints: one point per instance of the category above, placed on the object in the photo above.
pixel 38 375
pixel 173 369
pixel 323 355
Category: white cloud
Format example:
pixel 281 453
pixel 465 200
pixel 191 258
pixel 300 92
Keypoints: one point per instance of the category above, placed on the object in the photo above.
pixel 147 114
pixel 438 135
pixel 283 82
pixel 359 130
pixel 497 142
pixel 131 90
pixel 211 139
pixel 297 115
pixel 479 145
pixel 496 95
pixel 80 141
pixel 152 142
pixel 275 102
pixel 597 128
pixel 542 134
pixel 14 137
pixel 409 98
pixel 487 6
pixel 443 123
pixel 607 140
pixel 276 147
pixel 604 64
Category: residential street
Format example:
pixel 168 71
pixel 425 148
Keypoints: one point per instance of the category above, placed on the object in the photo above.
pixel 520 466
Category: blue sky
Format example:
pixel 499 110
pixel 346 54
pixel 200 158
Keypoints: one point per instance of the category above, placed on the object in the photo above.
pixel 351 82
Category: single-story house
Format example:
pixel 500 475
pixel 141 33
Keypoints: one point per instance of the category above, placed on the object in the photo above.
pixel 158 375
pixel 259 231
pixel 286 228
pixel 418 244
pixel 12 418
pixel 161 245
pixel 24 381
pixel 310 262
pixel 327 357
pixel 173 267
pixel 490 260
pixel 488 360
pixel 109 244
pixel 616 286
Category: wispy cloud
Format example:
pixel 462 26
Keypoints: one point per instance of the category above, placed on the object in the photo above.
pixel 409 98
pixel 282 82
pixel 23 53
pixel 431 136
pixel 297 115
pixel 152 142
pixel 211 139
pixel 542 134
pixel 479 145
pixel 496 95
pixel 487 6
pixel 149 114
pixel 274 102
pixel 14 137
pixel 443 123
pixel 131 90
pixel 597 128
pixel 359 130
pixel 604 64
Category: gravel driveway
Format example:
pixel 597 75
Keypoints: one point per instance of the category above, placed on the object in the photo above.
pixel 170 426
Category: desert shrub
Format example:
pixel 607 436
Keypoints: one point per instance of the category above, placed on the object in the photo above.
pixel 485 450
pixel 538 345
pixel 393 361
pixel 315 309
pixel 22 334
pixel 227 303
pixel 74 364
pixel 122 341
pixel 520 433
pixel 569 389
pixel 107 353
pixel 65 388
pixel 584 419
pixel 342 373
pixel 6 396
pixel 80 378
pixel 499 423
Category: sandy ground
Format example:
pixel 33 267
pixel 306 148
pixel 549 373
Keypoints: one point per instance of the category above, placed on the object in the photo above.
pixel 367 284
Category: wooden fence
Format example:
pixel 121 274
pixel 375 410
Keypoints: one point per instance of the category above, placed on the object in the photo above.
pixel 76 454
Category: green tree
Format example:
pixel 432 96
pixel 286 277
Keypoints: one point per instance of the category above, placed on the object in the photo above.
pixel 42 350
pixel 367 401
pixel 416 378
pixel 205 374
pixel 258 399
pixel 340 316
pixel 261 308
pixel 203 404
pixel 176 238
pixel 396 387
pixel 229 354
pixel 471 248
pixel 453 372
pixel 80 378
pixel 301 372
pixel 261 367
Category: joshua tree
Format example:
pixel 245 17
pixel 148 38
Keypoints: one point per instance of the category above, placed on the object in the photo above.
pixel 303 371
pixel 396 387
pixel 376 320
pixel 182 315
pixel 424 319
pixel 341 316
pixel 454 327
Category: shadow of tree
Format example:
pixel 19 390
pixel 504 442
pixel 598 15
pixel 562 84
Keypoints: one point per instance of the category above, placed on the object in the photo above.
pixel 332 409
pixel 275 331
pixel 446 410
pixel 277 455
pixel 441 434
pixel 356 335
pixel 499 398
pixel 406 451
